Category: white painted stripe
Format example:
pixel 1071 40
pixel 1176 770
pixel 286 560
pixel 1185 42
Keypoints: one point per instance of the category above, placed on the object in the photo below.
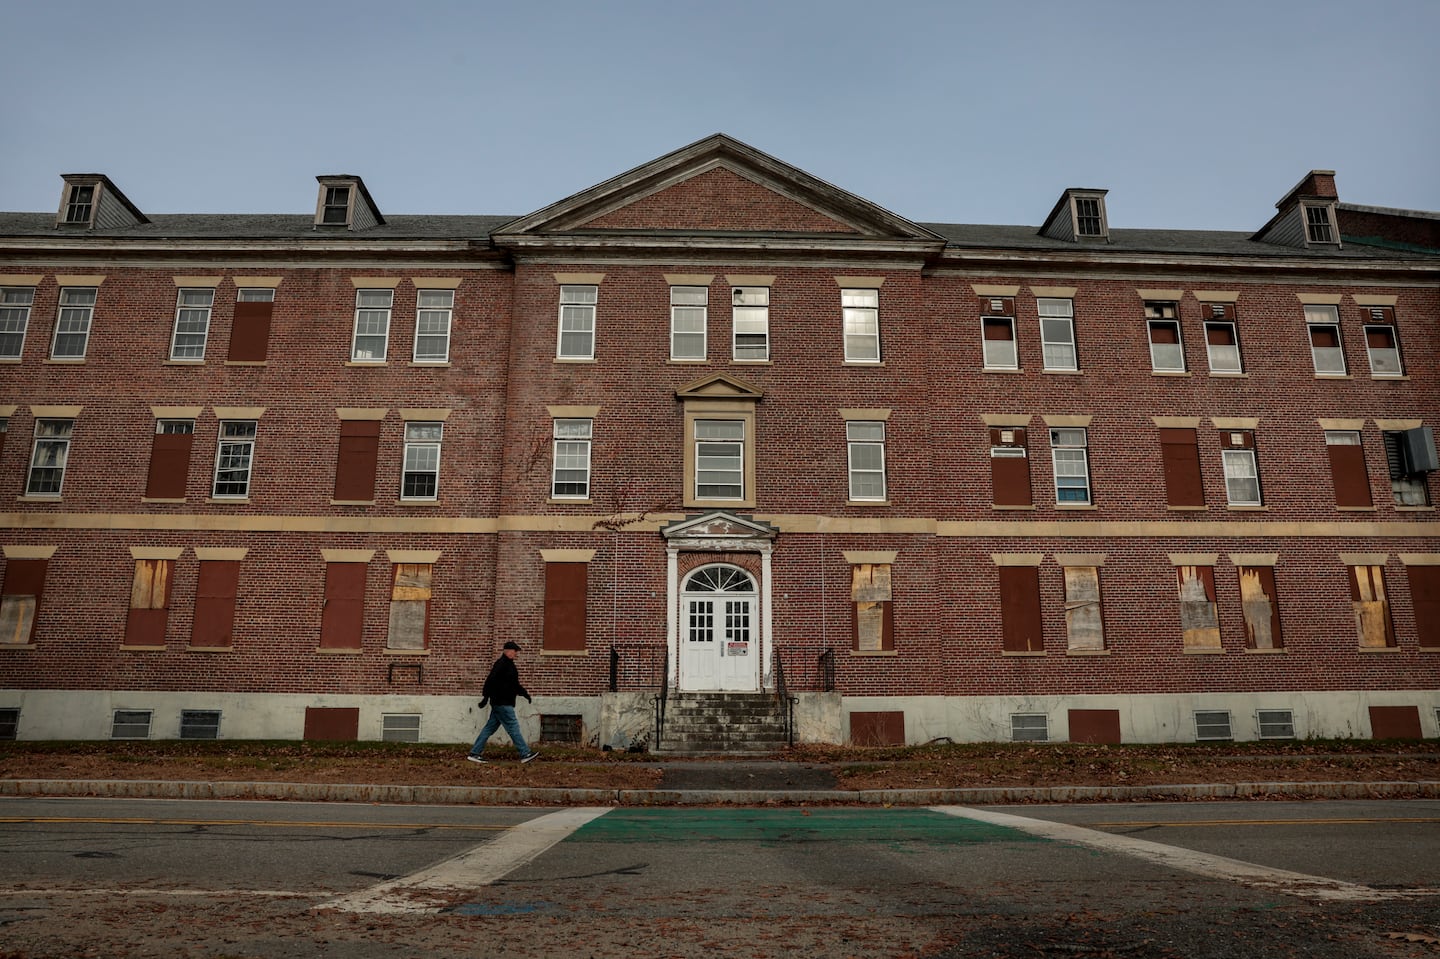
pixel 98 892
pixel 431 889
pixel 1188 860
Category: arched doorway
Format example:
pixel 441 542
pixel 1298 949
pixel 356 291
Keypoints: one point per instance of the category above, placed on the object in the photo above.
pixel 719 634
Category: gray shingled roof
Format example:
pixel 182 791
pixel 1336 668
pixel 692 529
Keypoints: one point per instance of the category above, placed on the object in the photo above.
pixel 958 236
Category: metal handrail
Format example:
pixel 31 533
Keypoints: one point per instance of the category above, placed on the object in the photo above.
pixel 825 667
pixel 663 697
pixel 784 699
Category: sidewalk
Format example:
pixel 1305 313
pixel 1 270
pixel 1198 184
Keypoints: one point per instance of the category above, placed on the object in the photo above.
pixel 741 782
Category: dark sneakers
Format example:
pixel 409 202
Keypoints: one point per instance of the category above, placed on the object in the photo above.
pixel 533 754
pixel 476 759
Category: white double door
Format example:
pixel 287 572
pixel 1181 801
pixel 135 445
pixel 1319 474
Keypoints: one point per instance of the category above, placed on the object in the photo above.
pixel 719 638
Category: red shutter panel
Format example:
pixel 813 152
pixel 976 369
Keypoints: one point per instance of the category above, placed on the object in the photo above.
pixel 169 465
pixel 215 603
pixel 343 621
pixel 1347 470
pixel 355 465
pixel 250 333
pixel 1425 601
pixel 1180 456
pixel 566 588
pixel 20 600
pixel 149 603
pixel 1020 608
pixel 1010 475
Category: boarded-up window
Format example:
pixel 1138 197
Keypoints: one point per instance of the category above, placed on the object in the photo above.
pixel 1261 609
pixel 1095 726
pixel 343 621
pixel 1395 722
pixel 1083 622
pixel 215 603
pixel 1180 455
pixel 355 465
pixel 250 334
pixel 566 588
pixel 20 600
pixel 149 602
pixel 877 728
pixel 170 459
pixel 1372 608
pixel 1199 617
pixel 873 627
pixel 410 606
pixel 1347 468
pixel 332 722
pixel 1020 609
pixel 1425 601
pixel 1009 468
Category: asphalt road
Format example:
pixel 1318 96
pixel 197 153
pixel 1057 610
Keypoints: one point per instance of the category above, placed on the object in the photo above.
pixel 226 880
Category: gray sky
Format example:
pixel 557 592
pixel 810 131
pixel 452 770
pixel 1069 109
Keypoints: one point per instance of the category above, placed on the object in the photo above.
pixel 1194 115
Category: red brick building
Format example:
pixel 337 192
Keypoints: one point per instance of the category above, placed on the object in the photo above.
pixel 708 422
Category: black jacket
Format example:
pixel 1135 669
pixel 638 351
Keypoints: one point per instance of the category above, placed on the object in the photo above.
pixel 502 686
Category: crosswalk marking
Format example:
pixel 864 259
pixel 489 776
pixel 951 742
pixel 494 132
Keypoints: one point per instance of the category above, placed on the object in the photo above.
pixel 432 889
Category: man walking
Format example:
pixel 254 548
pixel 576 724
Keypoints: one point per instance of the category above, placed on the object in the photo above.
pixel 501 688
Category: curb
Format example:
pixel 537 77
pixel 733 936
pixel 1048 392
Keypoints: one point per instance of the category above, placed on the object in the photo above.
pixel 519 796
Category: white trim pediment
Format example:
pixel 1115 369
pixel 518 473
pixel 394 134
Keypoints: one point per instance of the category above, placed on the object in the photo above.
pixel 719 529
pixel 716 151
pixel 720 386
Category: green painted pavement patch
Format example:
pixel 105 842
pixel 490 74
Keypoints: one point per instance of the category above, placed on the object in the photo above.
pixel 793 825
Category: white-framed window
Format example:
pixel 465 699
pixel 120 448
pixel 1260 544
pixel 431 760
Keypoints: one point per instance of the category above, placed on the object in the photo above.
pixel 336 209
pixel 400 728
pixel 372 325
pixel 1089 221
pixel 15 303
pixel 1275 723
pixel 1057 333
pixel 1029 728
pixel 1382 343
pixel 72 326
pixel 80 204
pixel 570 478
pixel 719 459
pixel 433 312
pixel 234 457
pixel 421 479
pixel 1212 725
pixel 192 323
pixel 1222 342
pixel 1167 353
pixel 48 457
pixel 199 724
pixel 866 441
pixel 1323 323
pixel 997 333
pixel 130 724
pixel 1070 454
pixel 577 322
pixel 1242 479
pixel 750 317
pixel 1318 228
pixel 255 294
pixel 861 310
pixel 689 315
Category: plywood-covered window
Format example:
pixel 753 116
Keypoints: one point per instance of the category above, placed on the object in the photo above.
pixel 1372 607
pixel 1199 613
pixel 20 600
pixel 1020 609
pixel 343 621
pixel 250 331
pixel 1009 467
pixel 149 602
pixel 1180 456
pixel 1084 625
pixel 355 463
pixel 1347 468
pixel 1260 607
pixel 567 586
pixel 215 593
pixel 170 459
pixel 873 617
pixel 410 606
pixel 1425 601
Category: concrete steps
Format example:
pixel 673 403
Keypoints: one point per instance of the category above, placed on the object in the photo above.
pixel 722 723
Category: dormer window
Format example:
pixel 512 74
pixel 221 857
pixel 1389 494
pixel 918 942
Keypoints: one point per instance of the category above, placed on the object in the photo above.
pixel 336 208
pixel 1318 227
pixel 1078 215
pixel 1088 221
pixel 81 204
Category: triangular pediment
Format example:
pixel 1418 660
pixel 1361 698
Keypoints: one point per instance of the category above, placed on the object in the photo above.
pixel 716 185
pixel 719 524
pixel 719 386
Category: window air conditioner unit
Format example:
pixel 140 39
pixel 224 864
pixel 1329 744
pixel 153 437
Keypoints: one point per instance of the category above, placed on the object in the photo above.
pixel 1418 445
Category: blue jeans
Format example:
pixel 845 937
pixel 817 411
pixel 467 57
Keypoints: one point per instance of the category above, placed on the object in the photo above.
pixel 501 716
